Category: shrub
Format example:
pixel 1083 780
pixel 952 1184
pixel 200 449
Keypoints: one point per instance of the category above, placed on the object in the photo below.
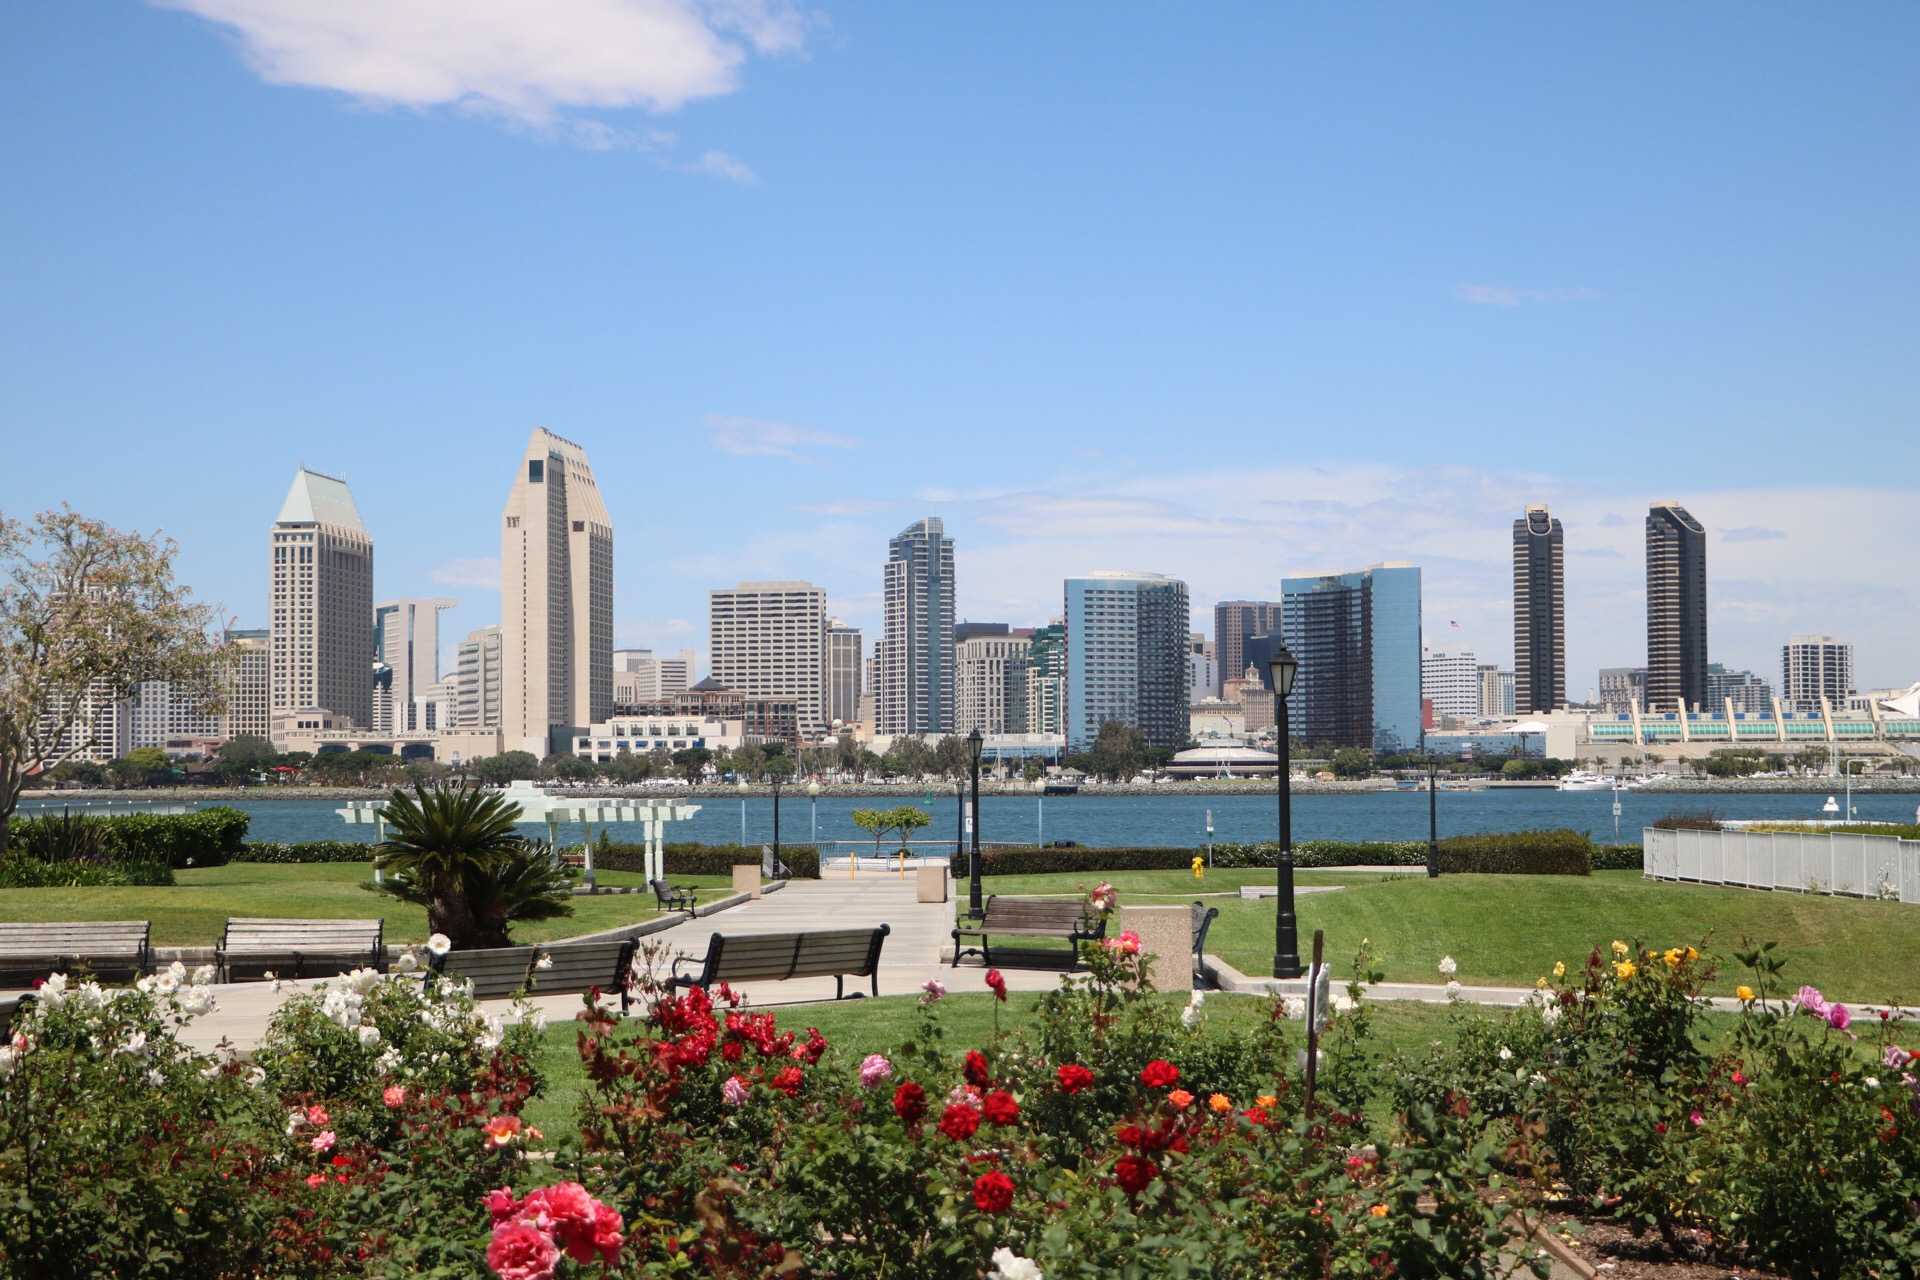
pixel 304 851
pixel 1687 822
pixel 689 859
pixel 206 838
pixel 1306 854
pixel 18 871
pixel 1536 853
pixel 1618 857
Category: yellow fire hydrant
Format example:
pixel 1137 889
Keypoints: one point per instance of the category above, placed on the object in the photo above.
pixel 1199 868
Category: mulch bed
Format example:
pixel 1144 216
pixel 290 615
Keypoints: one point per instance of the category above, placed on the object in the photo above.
pixel 1615 1253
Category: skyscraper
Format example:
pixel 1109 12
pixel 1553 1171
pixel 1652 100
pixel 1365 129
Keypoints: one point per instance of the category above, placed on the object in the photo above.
pixel 1357 639
pixel 476 703
pixel 640 676
pixel 1233 622
pixel 406 637
pixel 1046 678
pixel 1496 692
pixel 1127 656
pixel 1676 607
pixel 916 652
pixel 1745 690
pixel 320 597
pixel 769 640
pixel 1814 667
pixel 987 663
pixel 1450 679
pixel 556 596
pixel 1203 672
pixel 247 684
pixel 845 668
pixel 1539 613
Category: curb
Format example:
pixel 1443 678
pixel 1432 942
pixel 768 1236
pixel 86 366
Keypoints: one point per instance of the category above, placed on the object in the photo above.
pixel 662 923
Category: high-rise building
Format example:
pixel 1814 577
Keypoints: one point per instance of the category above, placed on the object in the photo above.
pixel 1676 607
pixel 1046 679
pixel 162 711
pixel 247 685
pixel 1621 687
pixel 1357 639
pixel 1745 690
pixel 641 676
pixel 556 598
pixel 1127 656
pixel 319 599
pixel 769 640
pixel 916 653
pixel 1813 667
pixel 477 683
pixel 845 666
pixel 1450 679
pixel 1203 671
pixel 406 637
pixel 1496 692
pixel 986 663
pixel 1539 613
pixel 1233 622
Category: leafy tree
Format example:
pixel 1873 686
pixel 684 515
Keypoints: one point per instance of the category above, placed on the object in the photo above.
pixel 908 757
pixel 692 762
pixel 906 819
pixel 140 767
pixel 509 766
pixel 779 764
pixel 1033 770
pixel 627 768
pixel 567 768
pixel 248 749
pixel 952 757
pixel 84 772
pixel 443 843
pixel 746 761
pixel 87 610
pixel 1352 762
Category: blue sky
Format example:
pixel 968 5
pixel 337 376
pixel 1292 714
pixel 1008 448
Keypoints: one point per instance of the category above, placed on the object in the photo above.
pixel 1228 292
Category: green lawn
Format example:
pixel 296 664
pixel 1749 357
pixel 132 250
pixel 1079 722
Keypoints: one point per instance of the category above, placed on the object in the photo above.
pixel 194 911
pixel 1171 886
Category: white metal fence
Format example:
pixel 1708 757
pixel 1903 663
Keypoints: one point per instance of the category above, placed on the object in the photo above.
pixel 1854 865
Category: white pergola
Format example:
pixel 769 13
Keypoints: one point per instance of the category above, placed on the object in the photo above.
pixel 539 806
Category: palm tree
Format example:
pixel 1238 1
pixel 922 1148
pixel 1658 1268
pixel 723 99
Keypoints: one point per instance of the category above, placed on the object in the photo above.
pixel 527 883
pixel 436 840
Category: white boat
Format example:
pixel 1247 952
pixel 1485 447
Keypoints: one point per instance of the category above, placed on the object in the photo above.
pixel 1582 780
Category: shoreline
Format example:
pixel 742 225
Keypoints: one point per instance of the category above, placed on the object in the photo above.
pixel 1188 787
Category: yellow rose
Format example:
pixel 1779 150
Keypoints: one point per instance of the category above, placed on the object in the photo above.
pixel 1672 957
pixel 1539 984
pixel 1745 993
pixel 1220 1103
pixel 1559 968
pixel 1692 955
pixel 1619 948
pixel 1378 1211
pixel 1625 969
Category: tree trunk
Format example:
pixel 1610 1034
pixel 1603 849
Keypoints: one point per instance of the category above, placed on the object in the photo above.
pixel 449 912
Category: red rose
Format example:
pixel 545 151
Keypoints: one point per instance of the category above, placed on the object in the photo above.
pixel 976 1069
pixel 1131 1135
pixel 1000 1107
pixel 1073 1077
pixel 788 1079
pixel 1134 1173
pixel 959 1121
pixel 732 1050
pixel 1159 1074
pixel 993 1192
pixel 997 984
pixel 910 1102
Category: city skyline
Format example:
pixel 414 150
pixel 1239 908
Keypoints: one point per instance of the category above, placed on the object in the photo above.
pixel 1578 281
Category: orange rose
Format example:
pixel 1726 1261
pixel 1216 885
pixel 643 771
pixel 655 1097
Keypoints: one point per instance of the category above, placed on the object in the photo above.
pixel 1180 1099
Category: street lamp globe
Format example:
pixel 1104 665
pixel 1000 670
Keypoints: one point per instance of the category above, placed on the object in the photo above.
pixel 1284 667
pixel 974 741
pixel 813 788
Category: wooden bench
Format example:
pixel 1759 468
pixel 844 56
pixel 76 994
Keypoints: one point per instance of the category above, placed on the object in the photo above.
pixel 1203 917
pixel 571 967
pixel 11 1007
pixel 673 897
pixel 298 948
pixel 1066 918
pixel 108 948
pixel 749 957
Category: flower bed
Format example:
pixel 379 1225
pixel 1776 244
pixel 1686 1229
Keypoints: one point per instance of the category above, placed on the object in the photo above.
pixel 378 1131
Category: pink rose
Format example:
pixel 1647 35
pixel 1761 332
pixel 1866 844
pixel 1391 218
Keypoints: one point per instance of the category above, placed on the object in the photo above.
pixel 394 1095
pixel 578 1223
pixel 520 1252
pixel 316 1179
pixel 1695 1119
pixel 317 1117
pixel 734 1092
pixel 1838 1018
pixel 1127 944
pixel 606 1233
pixel 874 1069
pixel 1810 999
pixel 322 1141
pixel 500 1204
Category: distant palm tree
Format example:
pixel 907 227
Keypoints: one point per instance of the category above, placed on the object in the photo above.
pixel 525 884
pixel 438 839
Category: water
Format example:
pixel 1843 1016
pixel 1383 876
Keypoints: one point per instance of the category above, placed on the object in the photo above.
pixel 1175 820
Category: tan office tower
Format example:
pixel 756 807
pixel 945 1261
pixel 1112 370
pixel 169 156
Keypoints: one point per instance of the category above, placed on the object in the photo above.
pixel 477 683
pixel 845 654
pixel 556 597
pixel 248 685
pixel 321 602
pixel 769 640
pixel 406 636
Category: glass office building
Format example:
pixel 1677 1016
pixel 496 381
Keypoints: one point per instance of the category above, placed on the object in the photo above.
pixel 1127 657
pixel 1357 639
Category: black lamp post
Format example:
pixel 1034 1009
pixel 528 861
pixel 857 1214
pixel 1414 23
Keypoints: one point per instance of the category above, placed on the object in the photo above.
pixel 1286 927
pixel 776 822
pixel 974 908
pixel 959 821
pixel 1433 816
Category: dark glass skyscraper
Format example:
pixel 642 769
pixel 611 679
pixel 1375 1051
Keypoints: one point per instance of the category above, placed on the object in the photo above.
pixel 1539 613
pixel 1357 639
pixel 1676 608
pixel 1233 622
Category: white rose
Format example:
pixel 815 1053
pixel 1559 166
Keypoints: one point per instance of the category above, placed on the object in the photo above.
pixel 407 963
pixel 178 972
pixel 136 1044
pixel 210 1072
pixel 369 1035
pixel 363 980
pixel 439 944
pixel 8 1057
pixel 1453 990
pixel 544 962
pixel 203 975
pixel 53 991
pixel 1447 966
pixel 1190 1015
pixel 1506 1054
pixel 256 1076
pixel 1008 1265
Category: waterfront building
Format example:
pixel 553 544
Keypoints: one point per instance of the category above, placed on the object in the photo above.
pixel 1813 667
pixel 1539 612
pixel 769 640
pixel 556 597
pixel 320 595
pixel 1613 737
pixel 1046 680
pixel 916 676
pixel 434 707
pixel 479 674
pixel 845 666
pixel 1622 687
pixel 161 712
pixel 1127 656
pixel 1676 606
pixel 1357 638
pixel 989 658
pixel 1496 692
pixel 1233 622
pixel 1203 672
pixel 1450 679
pixel 246 684
pixel 406 638
pixel 1742 690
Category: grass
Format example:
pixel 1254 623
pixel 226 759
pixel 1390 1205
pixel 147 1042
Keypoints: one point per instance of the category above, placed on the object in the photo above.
pixel 1170 885
pixel 193 911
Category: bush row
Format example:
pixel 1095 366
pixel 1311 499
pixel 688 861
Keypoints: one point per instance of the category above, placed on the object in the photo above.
pixel 689 859
pixel 20 872
pixel 1522 853
pixel 1509 853
pixel 206 838
pixel 1617 857
pixel 304 851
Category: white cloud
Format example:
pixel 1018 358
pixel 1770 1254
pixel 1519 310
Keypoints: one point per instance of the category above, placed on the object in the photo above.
pixel 756 438
pixel 534 63
pixel 1506 295
pixel 718 164
pixel 471 571
pixel 1751 533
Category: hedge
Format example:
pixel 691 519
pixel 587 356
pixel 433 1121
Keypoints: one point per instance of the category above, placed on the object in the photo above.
pixel 305 851
pixel 1509 853
pixel 688 859
pixel 1521 853
pixel 19 872
pixel 206 838
pixel 1618 857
